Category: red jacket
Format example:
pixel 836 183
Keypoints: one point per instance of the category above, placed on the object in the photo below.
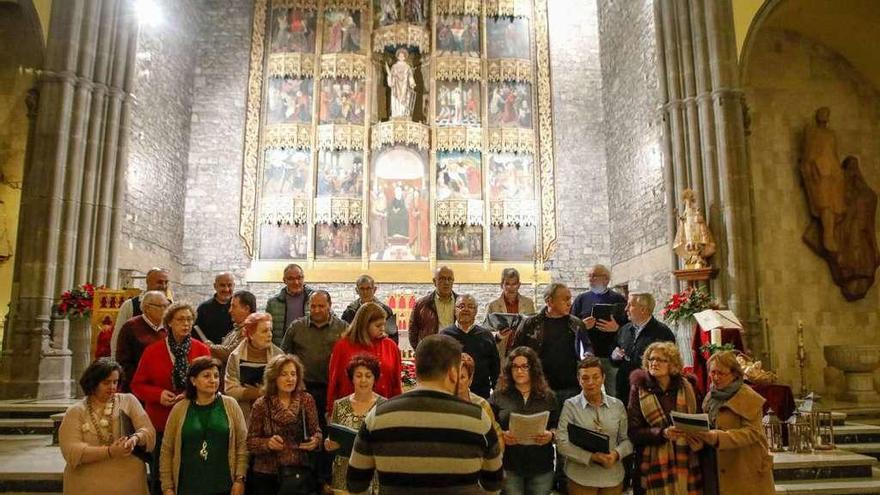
pixel 388 383
pixel 153 376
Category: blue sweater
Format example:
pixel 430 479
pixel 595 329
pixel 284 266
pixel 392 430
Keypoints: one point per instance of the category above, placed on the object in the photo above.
pixel 603 342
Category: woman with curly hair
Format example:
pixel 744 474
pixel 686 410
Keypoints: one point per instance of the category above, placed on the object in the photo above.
pixel 666 459
pixel 522 389
pixel 362 371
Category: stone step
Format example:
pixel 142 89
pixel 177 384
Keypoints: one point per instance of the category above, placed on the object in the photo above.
pixel 856 433
pixel 834 464
pixel 26 426
pixel 30 463
pixel 831 486
pixel 32 408
pixel 872 449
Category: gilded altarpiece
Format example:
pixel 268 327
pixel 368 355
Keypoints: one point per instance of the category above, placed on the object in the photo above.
pixel 460 171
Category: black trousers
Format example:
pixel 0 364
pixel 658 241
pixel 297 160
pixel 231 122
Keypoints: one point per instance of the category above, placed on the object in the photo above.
pixel 324 460
pixel 155 481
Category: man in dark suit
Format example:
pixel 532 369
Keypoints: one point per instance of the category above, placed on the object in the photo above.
pixel 634 337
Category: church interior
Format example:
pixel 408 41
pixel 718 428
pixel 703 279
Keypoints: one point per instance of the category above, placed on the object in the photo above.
pixel 725 145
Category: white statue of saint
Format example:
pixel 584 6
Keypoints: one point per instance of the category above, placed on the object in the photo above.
pixel 403 86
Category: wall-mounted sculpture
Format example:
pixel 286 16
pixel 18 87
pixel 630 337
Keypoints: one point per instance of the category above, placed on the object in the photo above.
pixel 694 242
pixel 843 208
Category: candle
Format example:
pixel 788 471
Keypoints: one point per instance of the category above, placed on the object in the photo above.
pixel 715 336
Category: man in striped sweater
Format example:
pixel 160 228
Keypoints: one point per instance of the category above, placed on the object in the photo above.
pixel 428 441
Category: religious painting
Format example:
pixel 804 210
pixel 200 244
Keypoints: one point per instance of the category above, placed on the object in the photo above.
pixel 399 205
pixel 458 103
pixel 283 242
pixel 342 31
pixel 285 174
pixel 510 104
pixel 459 175
pixel 386 12
pixel 511 176
pixel 293 30
pixel 338 242
pixel 459 243
pixel 342 101
pixel 289 101
pixel 511 243
pixel 458 35
pixel 507 37
pixel 340 174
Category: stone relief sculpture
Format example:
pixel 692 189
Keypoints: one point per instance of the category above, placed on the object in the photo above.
pixel 694 242
pixel 403 86
pixel 843 207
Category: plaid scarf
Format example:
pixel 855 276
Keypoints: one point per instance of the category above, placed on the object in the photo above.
pixel 180 365
pixel 670 468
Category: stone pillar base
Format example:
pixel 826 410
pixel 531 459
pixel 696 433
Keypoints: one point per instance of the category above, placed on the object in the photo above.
pixel 860 388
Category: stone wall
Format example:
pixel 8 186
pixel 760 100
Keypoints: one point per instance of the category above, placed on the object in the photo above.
pixel 786 78
pixel 152 234
pixel 639 244
pixel 578 123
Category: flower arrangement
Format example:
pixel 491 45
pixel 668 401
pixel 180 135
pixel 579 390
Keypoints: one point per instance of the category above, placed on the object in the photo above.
pixel 709 349
pixel 77 303
pixel 684 304
pixel 408 373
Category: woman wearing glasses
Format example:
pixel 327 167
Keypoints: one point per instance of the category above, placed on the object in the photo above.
pixel 594 473
pixel 737 440
pixel 522 389
pixel 666 460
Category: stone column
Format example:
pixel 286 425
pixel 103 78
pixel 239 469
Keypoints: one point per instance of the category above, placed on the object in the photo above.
pixel 704 141
pixel 70 146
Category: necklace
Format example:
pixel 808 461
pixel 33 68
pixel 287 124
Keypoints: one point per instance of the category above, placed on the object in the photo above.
pixel 203 452
pixel 101 423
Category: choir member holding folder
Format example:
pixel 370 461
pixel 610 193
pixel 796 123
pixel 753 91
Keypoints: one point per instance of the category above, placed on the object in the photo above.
pixel 592 435
pixel 349 412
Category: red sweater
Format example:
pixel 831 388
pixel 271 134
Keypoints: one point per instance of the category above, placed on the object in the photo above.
pixel 388 384
pixel 153 375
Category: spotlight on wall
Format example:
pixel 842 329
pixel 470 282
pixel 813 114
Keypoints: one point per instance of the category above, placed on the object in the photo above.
pixel 149 13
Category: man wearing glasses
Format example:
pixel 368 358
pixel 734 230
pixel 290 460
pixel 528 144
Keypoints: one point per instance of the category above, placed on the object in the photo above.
pixel 478 343
pixel 139 332
pixel 366 291
pixel 156 279
pixel 435 310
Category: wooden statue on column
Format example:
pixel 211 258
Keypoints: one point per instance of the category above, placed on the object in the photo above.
pixel 694 242
pixel 843 208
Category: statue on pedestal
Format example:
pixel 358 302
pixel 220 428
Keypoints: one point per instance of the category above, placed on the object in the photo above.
pixel 693 240
pixel 403 86
pixel 823 177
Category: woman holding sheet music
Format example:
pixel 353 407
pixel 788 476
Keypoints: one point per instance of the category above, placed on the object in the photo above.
pixel 666 460
pixel 737 443
pixel 590 468
pixel 523 391
pixel 362 371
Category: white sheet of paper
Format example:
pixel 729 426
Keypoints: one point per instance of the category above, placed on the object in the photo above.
pixel 691 423
pixel 526 426
pixel 717 318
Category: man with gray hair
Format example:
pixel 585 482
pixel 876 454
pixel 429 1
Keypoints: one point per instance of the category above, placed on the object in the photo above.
pixel 634 337
pixel 156 279
pixel 139 332
pixel 559 339
pixel 291 302
pixel 478 342
pixel 435 310
pixel 603 338
pixel 366 291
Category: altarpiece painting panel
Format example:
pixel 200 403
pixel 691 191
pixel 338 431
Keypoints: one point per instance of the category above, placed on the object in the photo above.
pixel 342 31
pixel 512 243
pixel 293 30
pixel 511 176
pixel 464 243
pixel 458 103
pixel 459 175
pixel 338 242
pixel 342 101
pixel 507 37
pixel 283 242
pixel 340 174
pixel 510 104
pixel 289 101
pixel 458 35
pixel 399 211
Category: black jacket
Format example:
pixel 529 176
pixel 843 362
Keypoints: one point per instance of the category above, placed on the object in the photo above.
pixel 654 331
pixel 480 344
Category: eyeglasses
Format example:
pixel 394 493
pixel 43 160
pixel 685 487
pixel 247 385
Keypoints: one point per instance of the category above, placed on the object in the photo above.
pixel 466 306
pixel 183 319
pixel 157 305
pixel 523 367
pixel 657 360
pixel 718 373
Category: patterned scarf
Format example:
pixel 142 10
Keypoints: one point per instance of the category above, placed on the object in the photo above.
pixel 181 365
pixel 670 468
pixel 717 398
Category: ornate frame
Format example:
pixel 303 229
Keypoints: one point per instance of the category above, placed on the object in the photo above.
pixel 537 141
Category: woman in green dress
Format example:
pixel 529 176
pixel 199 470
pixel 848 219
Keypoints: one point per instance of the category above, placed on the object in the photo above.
pixel 205 447
pixel 350 411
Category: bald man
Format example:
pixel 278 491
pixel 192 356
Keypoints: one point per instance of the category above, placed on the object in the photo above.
pixel 212 317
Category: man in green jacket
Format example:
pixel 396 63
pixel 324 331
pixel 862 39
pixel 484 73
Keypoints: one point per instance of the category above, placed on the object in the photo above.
pixel 292 302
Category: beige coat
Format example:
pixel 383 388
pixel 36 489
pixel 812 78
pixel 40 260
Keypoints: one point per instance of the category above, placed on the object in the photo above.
pixel 745 465
pixel 526 307
pixel 120 475
pixel 233 385
pixel 169 461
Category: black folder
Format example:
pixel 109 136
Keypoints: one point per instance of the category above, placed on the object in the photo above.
pixel 589 440
pixel 344 436
pixel 501 321
pixel 603 311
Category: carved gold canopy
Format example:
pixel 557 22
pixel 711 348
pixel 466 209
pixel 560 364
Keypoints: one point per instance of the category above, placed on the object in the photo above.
pixel 317 110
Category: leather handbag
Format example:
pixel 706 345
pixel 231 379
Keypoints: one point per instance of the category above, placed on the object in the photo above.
pixel 298 480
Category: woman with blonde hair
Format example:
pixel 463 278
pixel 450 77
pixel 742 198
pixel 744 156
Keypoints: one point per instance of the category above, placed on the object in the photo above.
pixel 366 334
pixel 283 429
pixel 246 365
pixel 736 441
pixel 666 460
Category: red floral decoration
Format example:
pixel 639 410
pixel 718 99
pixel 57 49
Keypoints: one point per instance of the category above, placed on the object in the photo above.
pixel 685 304
pixel 408 373
pixel 77 303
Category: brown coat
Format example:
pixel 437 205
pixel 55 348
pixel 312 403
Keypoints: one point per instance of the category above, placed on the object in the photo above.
pixel 744 463
pixel 424 320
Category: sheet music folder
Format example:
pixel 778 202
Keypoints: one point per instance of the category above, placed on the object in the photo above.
pixel 589 440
